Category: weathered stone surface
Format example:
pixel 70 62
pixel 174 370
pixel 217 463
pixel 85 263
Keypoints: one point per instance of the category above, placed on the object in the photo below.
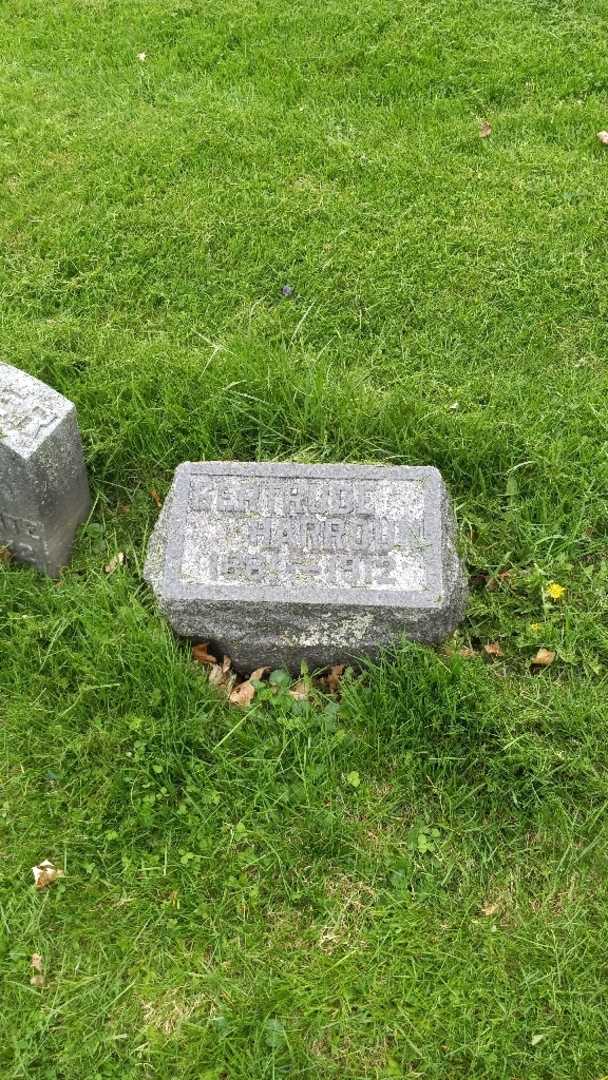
pixel 44 493
pixel 279 563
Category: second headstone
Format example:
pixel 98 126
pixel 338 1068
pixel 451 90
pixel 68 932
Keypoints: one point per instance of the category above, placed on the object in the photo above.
pixel 44 492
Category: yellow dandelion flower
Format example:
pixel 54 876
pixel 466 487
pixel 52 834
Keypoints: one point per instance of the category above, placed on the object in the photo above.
pixel 535 627
pixel 555 591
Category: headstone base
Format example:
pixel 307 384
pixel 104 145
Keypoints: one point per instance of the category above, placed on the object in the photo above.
pixel 279 563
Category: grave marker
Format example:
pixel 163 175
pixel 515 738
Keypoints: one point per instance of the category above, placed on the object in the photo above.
pixel 44 493
pixel 278 563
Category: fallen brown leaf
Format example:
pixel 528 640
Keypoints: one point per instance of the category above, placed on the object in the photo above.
pixel 543 658
pixel 299 691
pixel 495 581
pixel 220 675
pixel 242 695
pixel 489 909
pixel 217 676
pixel 484 130
pixel 5 554
pixel 603 137
pixel 258 674
pixel 46 874
pixel 334 678
pixel 477 580
pixel 153 493
pixel 114 563
pixel 36 962
pixel 201 654
pixel 493 649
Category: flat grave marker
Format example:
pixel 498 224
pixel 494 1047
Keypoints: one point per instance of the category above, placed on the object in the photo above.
pixel 276 563
pixel 44 492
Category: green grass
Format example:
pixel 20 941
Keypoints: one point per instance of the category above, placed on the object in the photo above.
pixel 233 907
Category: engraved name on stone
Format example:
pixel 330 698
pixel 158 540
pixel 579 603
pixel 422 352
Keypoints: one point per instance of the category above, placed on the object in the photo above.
pixel 337 533
pixel 43 484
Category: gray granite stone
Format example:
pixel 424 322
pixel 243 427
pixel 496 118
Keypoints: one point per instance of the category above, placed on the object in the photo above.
pixel 44 493
pixel 279 563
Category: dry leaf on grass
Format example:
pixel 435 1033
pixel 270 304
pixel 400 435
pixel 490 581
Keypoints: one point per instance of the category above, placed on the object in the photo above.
pixel 489 909
pixel 258 674
pixel 37 978
pixel 153 493
pixel 334 677
pixel 299 691
pixel 221 676
pixel 5 554
pixel 217 676
pixel 543 658
pixel 603 137
pixel 46 874
pixel 201 654
pixel 114 563
pixel 493 649
pixel 478 580
pixel 243 695
pixel 484 130
pixel 493 582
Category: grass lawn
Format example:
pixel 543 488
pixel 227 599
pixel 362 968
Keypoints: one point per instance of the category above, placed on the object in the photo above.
pixel 235 906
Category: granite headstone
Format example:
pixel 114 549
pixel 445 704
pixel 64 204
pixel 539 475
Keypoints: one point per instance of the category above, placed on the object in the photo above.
pixel 278 563
pixel 44 492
